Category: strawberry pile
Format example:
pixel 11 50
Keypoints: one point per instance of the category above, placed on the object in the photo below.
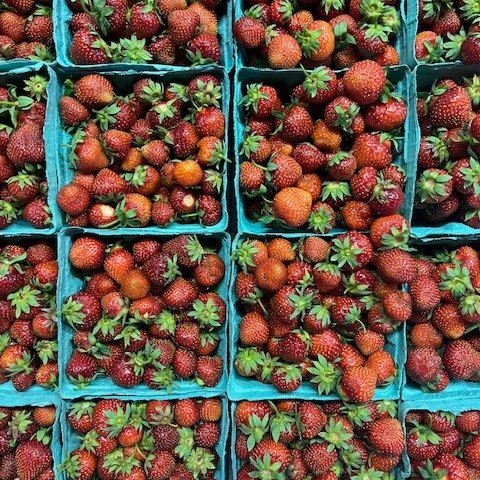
pixel 325 441
pixel 26 30
pixel 23 186
pixel 320 311
pixel 25 438
pixel 168 32
pixel 28 323
pixel 147 312
pixel 157 439
pixel 448 31
pixel 152 156
pixel 324 156
pixel 448 173
pixel 443 344
pixel 443 445
pixel 339 33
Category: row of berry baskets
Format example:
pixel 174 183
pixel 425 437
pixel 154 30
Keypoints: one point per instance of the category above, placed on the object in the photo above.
pixel 173 36
pixel 189 437
pixel 148 151
pixel 300 316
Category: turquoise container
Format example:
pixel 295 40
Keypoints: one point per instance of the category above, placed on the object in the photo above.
pixel 40 399
pixel 423 77
pixel 17 75
pixel 71 441
pixel 445 237
pixel 7 388
pixel 63 39
pixel 400 43
pixel 70 283
pixel 125 80
pixel 242 388
pixel 236 463
pixel 285 80
pixel 452 405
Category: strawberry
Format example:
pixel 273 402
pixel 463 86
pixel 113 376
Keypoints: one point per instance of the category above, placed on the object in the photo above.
pixel 461 360
pixel 209 370
pixel 87 48
pixel 182 25
pixel 204 48
pixel 364 82
pixel 292 205
pixel 38 213
pixel 25 145
pixel 319 458
pixel 284 52
pixel 423 365
pixel 144 22
pixel 72 111
pixel 73 199
pixel 32 459
pixel 249 32
pixel 451 109
pixel 94 91
pixel 396 266
pixel 87 253
pixel 358 384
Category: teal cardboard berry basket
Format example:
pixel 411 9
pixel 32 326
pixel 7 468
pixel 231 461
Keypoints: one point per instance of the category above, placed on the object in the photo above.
pixel 455 405
pixel 17 75
pixel 70 283
pixel 235 462
pixel 71 441
pixel 445 238
pixel 63 39
pixel 242 388
pixel 242 55
pixel 7 388
pixel 424 76
pixel 124 80
pixel 41 399
pixel 285 80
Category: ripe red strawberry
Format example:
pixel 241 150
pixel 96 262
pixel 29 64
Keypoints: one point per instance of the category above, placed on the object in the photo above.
pixel 72 111
pixel 461 360
pixel 358 384
pixel 319 458
pixel 396 266
pixel 38 213
pixel 364 82
pixel 144 21
pixel 25 145
pixel 423 365
pixel 32 459
pixel 451 109
pixel 386 436
pixel 284 52
pixel 204 48
pixel 182 25
pixel 209 370
pixel 87 48
pixel 249 32
pixel 39 28
pixel 87 253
